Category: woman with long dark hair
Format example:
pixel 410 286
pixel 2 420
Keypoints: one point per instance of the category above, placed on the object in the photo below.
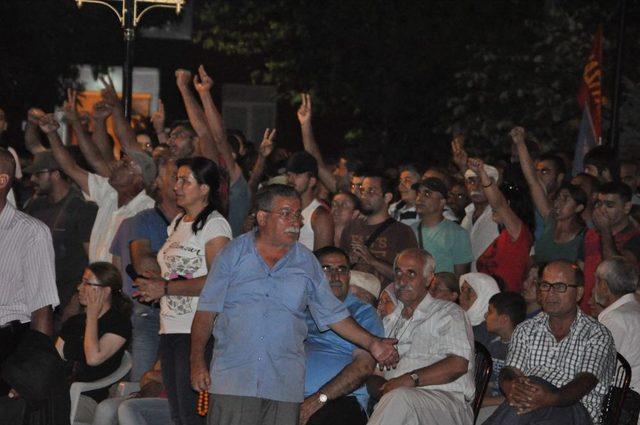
pixel 92 343
pixel 508 256
pixel 195 238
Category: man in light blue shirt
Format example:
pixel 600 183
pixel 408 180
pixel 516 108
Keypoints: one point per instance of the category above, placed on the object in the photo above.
pixel 258 292
pixel 336 369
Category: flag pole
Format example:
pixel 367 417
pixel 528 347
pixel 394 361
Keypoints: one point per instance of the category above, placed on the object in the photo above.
pixel 614 131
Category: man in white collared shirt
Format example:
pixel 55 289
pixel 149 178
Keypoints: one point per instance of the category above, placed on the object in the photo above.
pixel 616 282
pixel 478 219
pixel 433 382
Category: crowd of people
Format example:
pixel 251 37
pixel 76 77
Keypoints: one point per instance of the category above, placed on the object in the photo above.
pixel 253 285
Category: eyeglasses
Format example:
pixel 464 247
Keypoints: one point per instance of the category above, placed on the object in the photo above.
pixel 342 270
pixel 356 186
pixel 429 194
pixel 410 274
pixel 86 282
pixel 558 287
pixel 287 214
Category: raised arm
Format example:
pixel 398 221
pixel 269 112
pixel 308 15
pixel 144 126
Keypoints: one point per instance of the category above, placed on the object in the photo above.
pixel 496 199
pixel 265 149
pixel 203 84
pixel 49 126
pixel 32 140
pixel 305 114
pixel 90 152
pixel 100 138
pixel 459 154
pixel 539 195
pixel 121 125
pixel 158 121
pixel 196 115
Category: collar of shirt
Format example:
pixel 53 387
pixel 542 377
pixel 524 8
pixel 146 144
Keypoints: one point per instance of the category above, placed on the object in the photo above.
pixel 625 299
pixel 282 262
pixel 6 216
pixel 579 321
pixel 139 199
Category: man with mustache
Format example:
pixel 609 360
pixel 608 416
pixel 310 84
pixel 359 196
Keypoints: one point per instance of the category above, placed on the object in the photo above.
pixel 478 215
pixel 258 293
pixel 335 368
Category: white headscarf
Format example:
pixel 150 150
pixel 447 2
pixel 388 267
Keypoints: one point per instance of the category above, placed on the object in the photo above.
pixel 485 287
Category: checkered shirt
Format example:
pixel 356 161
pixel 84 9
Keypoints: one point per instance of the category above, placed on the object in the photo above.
pixel 588 348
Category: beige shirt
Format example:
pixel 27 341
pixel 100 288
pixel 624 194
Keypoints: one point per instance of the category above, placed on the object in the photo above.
pixel 436 330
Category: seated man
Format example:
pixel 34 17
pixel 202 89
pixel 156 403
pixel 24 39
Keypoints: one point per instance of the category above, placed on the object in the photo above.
pixel 336 369
pixel 616 282
pixel 433 382
pixel 560 363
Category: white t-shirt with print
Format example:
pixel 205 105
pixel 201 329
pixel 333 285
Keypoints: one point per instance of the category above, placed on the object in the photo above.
pixel 183 255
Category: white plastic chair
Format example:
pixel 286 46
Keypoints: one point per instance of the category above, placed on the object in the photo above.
pixel 78 388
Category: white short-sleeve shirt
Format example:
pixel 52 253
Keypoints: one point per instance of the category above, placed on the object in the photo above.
pixel 183 256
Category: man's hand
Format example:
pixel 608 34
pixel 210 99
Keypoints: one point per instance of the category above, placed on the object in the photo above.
pixel 309 406
pixel 202 82
pixel 183 78
pixel 70 106
pixel 385 352
pixel 401 381
pixel 304 111
pixel 460 156
pixel 266 147
pixel 362 252
pixel 158 118
pixel 517 135
pixel 476 165
pixel 34 115
pixel 200 378
pixel 601 220
pixel 48 124
pixel 101 111
pixel 150 287
pixel 108 93
pixel 527 396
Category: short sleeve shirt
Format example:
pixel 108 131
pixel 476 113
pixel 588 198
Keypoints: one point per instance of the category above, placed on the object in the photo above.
pixel 183 256
pixel 447 242
pixel 261 323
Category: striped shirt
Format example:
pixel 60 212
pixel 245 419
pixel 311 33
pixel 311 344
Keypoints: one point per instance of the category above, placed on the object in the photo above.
pixel 27 270
pixel 588 348
pixel 436 330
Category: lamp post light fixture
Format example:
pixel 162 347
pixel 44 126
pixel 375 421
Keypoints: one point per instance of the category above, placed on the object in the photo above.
pixel 129 17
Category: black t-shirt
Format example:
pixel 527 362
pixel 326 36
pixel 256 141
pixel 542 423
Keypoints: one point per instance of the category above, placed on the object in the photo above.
pixel 72 334
pixel 70 221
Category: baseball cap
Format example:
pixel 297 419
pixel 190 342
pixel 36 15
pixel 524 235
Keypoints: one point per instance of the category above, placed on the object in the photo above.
pixel 434 184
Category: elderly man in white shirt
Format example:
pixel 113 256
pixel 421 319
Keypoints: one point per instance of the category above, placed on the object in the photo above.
pixel 616 282
pixel 478 219
pixel 118 188
pixel 433 382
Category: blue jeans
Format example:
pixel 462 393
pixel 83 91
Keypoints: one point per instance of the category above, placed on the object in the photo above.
pixel 142 411
pixel 176 375
pixel 144 339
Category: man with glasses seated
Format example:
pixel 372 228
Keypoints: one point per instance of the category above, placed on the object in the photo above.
pixel 560 363
pixel 335 368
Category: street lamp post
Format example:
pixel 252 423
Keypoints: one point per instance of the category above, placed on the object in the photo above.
pixel 129 17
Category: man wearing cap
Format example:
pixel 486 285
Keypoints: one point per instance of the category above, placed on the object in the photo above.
pixel 445 240
pixel 478 219
pixel 365 286
pixel 335 368
pixel 317 226
pixel 119 196
pixel 69 217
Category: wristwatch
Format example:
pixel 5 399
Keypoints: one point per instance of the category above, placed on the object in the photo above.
pixel 416 379
pixel 322 398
